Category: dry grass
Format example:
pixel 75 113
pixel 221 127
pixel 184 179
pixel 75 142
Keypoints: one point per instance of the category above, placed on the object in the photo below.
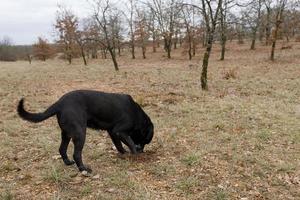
pixel 241 139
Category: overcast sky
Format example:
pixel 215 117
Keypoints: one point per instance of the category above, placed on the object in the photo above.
pixel 24 20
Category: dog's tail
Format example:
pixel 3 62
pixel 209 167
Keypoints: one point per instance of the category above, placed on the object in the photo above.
pixel 36 117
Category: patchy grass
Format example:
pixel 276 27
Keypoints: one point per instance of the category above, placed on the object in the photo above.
pixel 238 140
pixel 57 175
pixel 7 195
pixel 191 159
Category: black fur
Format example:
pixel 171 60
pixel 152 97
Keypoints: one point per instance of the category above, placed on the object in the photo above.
pixel 124 120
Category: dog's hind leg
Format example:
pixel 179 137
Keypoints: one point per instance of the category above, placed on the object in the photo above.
pixel 78 141
pixel 65 140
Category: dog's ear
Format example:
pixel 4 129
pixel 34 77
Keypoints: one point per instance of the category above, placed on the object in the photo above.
pixel 149 133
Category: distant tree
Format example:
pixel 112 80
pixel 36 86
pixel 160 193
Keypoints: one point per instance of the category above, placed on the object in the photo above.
pixel 116 28
pixel 210 11
pixel 153 30
pixel 268 6
pixel 7 50
pixel 28 52
pixel 92 46
pixel 279 8
pixel 188 16
pixel 42 49
pixel 291 22
pixel 166 14
pixel 252 17
pixel 105 23
pixel 141 33
pixel 224 15
pixel 67 27
pixel 80 38
pixel 210 14
pixel 130 17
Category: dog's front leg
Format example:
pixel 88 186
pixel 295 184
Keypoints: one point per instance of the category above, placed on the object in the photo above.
pixel 116 140
pixel 126 139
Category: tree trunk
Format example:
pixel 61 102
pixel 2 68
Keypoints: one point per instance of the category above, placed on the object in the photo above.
pixel 277 25
pixel 194 46
pixel 113 57
pixel 205 62
pixel 204 40
pixel 268 29
pixel 94 53
pixel 254 33
pixel 274 38
pixel 83 56
pixel 119 49
pixel 29 58
pixel 180 41
pixel 153 42
pixel 273 50
pixel 153 46
pixel 175 42
pixel 223 49
pixel 223 45
pixel 132 50
pixel 204 71
pixel 69 58
pixel 190 46
pixel 253 39
pixel 144 52
pixel 168 46
pixel 252 44
pixel 169 52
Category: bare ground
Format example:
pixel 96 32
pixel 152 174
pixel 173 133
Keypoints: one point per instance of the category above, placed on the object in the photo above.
pixel 239 140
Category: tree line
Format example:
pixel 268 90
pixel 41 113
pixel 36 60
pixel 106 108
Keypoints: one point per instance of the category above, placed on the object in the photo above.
pixel 168 24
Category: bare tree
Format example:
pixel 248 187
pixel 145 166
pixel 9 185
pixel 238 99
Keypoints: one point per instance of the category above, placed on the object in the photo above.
pixel 116 31
pixel 90 32
pixel 152 28
pixel 279 8
pixel 224 10
pixel 291 22
pixel 104 15
pixel 210 15
pixel 166 14
pixel 80 37
pixel 141 32
pixel 210 11
pixel 252 17
pixel 268 7
pixel 188 13
pixel 130 20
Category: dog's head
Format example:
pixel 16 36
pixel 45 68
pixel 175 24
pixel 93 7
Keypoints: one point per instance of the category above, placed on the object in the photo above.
pixel 144 135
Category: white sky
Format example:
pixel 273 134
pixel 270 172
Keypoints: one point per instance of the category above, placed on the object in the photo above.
pixel 24 20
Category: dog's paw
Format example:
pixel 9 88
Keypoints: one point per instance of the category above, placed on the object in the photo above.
pixel 89 170
pixel 86 173
pixel 69 162
pixel 85 170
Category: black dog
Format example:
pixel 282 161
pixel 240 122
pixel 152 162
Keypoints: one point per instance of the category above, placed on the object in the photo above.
pixel 124 120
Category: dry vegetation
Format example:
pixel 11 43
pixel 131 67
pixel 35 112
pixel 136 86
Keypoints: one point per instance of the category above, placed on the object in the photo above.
pixel 239 140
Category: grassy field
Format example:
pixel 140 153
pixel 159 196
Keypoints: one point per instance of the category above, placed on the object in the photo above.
pixel 239 140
